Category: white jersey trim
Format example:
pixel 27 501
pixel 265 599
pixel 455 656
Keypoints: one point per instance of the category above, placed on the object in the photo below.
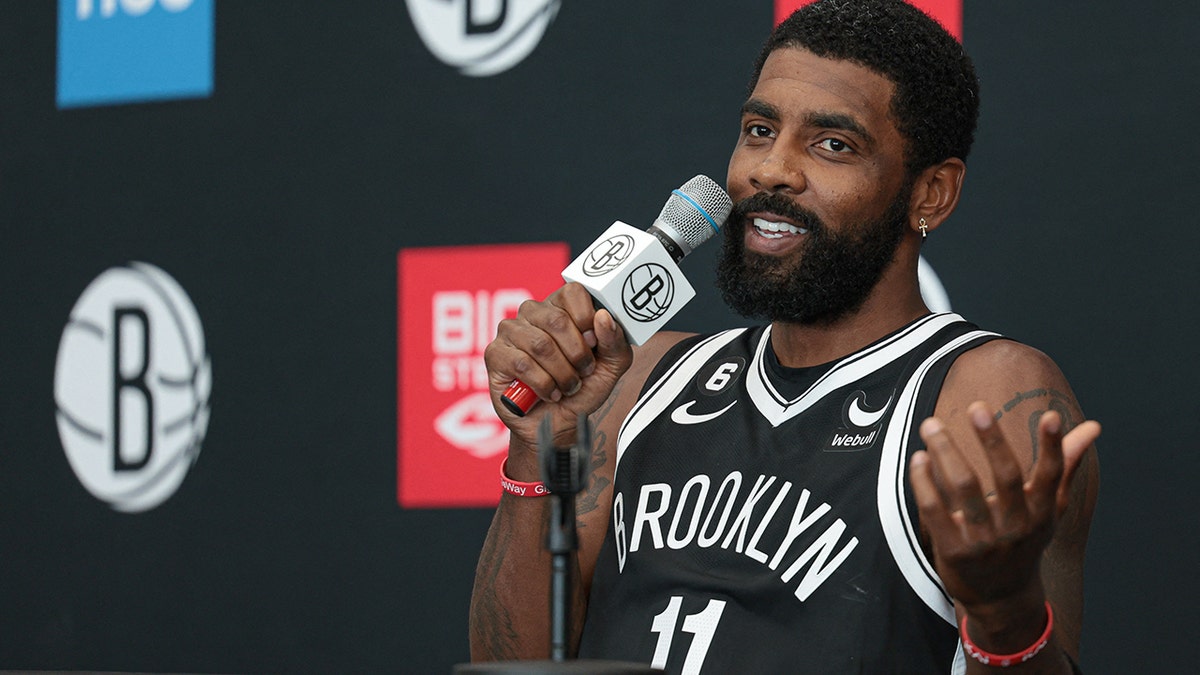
pixel 660 395
pixel 898 529
pixel 777 410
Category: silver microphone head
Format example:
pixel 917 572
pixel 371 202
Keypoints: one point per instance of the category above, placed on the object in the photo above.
pixel 695 212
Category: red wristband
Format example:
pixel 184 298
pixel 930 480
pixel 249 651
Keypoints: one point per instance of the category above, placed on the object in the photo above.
pixel 1006 660
pixel 518 488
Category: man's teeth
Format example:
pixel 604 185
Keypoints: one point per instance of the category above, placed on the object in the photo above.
pixel 773 230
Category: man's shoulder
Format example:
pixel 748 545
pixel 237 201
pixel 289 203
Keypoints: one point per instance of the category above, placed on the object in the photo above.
pixel 665 348
pixel 646 358
pixel 660 344
pixel 665 344
pixel 1002 367
pixel 1006 355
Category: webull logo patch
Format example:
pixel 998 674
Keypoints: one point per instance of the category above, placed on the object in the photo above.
pixel 851 441
pixel 862 425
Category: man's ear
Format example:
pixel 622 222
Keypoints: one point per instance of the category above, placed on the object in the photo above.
pixel 935 194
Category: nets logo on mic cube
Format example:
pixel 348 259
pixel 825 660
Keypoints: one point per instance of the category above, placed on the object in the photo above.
pixel 450 300
pixel 121 51
pixel 634 277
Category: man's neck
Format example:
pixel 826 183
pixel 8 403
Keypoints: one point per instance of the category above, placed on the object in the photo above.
pixel 883 313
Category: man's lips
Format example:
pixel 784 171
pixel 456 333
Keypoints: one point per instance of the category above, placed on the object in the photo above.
pixel 771 226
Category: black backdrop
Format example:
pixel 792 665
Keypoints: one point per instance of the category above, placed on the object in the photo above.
pixel 334 138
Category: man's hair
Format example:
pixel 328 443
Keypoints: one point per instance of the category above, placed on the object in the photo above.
pixel 936 100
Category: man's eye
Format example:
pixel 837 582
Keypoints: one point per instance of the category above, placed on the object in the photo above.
pixel 758 131
pixel 834 145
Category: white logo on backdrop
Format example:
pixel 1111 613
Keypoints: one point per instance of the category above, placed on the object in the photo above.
pixel 464 322
pixel 471 425
pixel 132 386
pixel 482 37
pixel 84 8
pixel 932 291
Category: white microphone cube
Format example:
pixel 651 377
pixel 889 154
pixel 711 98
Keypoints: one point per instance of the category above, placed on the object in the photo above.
pixel 631 274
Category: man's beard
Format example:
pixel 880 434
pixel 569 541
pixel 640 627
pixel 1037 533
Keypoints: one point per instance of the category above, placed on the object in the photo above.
pixel 828 277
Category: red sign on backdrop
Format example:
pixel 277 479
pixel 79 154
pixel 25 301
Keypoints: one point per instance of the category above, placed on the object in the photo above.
pixel 949 13
pixel 450 300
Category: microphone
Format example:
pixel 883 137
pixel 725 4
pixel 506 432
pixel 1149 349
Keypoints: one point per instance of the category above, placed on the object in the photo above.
pixel 634 273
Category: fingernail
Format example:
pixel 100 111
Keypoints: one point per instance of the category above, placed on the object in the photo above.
pixel 1053 424
pixel 589 336
pixel 575 388
pixel 556 396
pixel 589 369
pixel 931 426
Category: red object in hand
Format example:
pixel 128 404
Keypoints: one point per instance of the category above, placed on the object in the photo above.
pixel 519 398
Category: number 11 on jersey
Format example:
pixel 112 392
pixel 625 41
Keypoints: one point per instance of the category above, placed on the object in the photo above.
pixel 702 625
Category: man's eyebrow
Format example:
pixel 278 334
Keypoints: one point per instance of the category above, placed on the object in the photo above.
pixel 759 108
pixel 820 120
pixel 839 121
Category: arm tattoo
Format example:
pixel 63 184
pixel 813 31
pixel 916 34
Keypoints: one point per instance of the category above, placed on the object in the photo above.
pixel 495 631
pixel 1021 397
pixel 491 623
pixel 1059 402
pixel 586 501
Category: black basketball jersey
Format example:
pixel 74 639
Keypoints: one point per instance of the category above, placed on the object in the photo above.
pixel 762 519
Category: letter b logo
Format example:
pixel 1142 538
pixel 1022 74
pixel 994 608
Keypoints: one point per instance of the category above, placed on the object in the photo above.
pixel 648 292
pixel 127 385
pixel 131 386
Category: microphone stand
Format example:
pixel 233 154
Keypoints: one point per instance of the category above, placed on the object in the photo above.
pixel 564 472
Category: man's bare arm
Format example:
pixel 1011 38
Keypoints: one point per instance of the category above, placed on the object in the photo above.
pixel 1006 495
pixel 510 601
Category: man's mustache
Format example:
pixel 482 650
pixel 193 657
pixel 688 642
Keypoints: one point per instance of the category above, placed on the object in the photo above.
pixel 777 204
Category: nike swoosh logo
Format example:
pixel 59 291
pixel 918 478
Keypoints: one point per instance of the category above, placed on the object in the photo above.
pixel 865 418
pixel 681 415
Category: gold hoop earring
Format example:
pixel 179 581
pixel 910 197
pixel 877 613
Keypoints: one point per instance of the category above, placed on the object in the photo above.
pixel 924 228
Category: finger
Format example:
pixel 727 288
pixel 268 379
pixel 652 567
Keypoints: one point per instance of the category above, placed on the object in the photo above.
pixel 957 481
pixel 1041 489
pixel 1074 445
pixel 578 303
pixel 548 333
pixel 506 362
pixel 1077 442
pixel 612 348
pixel 568 316
pixel 1006 471
pixel 935 516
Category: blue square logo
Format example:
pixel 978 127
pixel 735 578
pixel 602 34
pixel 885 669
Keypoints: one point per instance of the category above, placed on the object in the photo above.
pixel 123 51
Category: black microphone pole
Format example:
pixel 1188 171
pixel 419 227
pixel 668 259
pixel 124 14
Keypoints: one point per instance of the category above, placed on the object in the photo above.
pixel 563 472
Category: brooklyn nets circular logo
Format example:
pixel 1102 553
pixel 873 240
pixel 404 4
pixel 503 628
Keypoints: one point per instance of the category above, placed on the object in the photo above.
pixel 647 292
pixel 607 255
pixel 131 387
pixel 482 37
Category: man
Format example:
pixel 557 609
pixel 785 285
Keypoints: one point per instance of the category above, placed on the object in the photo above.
pixel 859 486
